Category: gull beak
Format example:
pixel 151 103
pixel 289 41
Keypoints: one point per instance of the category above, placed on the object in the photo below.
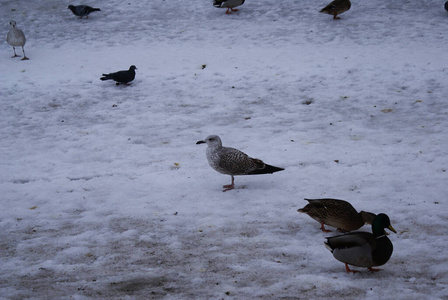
pixel 200 142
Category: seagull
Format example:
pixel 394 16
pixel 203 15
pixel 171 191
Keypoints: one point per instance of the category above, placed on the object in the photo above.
pixel 233 162
pixel 230 4
pixel 336 7
pixel 82 10
pixel 16 38
pixel 121 76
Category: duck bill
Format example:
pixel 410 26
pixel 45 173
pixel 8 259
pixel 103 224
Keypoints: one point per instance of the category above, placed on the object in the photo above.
pixel 391 229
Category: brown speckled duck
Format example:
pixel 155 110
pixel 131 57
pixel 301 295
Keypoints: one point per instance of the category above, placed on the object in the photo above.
pixel 363 249
pixel 336 8
pixel 336 213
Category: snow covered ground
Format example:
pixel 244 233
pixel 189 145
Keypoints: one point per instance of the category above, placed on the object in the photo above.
pixel 105 194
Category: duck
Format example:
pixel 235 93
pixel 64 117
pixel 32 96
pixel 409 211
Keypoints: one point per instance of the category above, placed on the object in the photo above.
pixel 230 4
pixel 336 213
pixel 363 249
pixel 336 8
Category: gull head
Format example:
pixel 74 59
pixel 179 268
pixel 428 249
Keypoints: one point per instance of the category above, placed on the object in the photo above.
pixel 211 141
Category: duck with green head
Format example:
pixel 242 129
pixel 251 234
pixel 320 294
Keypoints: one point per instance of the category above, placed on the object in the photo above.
pixel 363 249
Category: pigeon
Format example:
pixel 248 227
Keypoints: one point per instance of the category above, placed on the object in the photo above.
pixel 230 4
pixel 336 7
pixel 82 10
pixel 121 76
pixel 233 162
pixel 16 38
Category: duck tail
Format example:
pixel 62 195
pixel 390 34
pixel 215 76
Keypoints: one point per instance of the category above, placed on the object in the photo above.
pixel 327 245
pixel 217 3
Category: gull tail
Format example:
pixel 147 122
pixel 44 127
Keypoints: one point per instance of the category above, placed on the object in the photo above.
pixel 268 169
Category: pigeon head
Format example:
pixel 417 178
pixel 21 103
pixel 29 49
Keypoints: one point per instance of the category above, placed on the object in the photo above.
pixel 132 67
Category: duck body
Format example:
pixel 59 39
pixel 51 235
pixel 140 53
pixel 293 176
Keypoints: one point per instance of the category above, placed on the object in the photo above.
pixel 363 249
pixel 337 213
pixel 336 8
pixel 229 4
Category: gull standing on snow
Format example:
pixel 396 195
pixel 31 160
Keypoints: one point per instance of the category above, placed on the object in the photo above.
pixel 82 10
pixel 233 162
pixel 16 38
pixel 230 4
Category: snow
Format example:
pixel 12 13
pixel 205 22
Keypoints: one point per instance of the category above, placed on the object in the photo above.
pixel 106 195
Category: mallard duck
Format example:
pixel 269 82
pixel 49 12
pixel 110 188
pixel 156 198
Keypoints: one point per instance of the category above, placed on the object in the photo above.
pixel 336 7
pixel 230 4
pixel 336 213
pixel 363 249
pixel 16 38
pixel 233 162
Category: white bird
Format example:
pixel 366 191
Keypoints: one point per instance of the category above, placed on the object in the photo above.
pixel 16 38
pixel 233 162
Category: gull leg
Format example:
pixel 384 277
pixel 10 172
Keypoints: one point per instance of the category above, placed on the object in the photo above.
pixel 24 56
pixel 229 187
pixel 15 55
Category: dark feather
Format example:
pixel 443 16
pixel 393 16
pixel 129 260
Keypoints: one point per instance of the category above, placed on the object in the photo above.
pixel 82 10
pixel 121 76
pixel 266 169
